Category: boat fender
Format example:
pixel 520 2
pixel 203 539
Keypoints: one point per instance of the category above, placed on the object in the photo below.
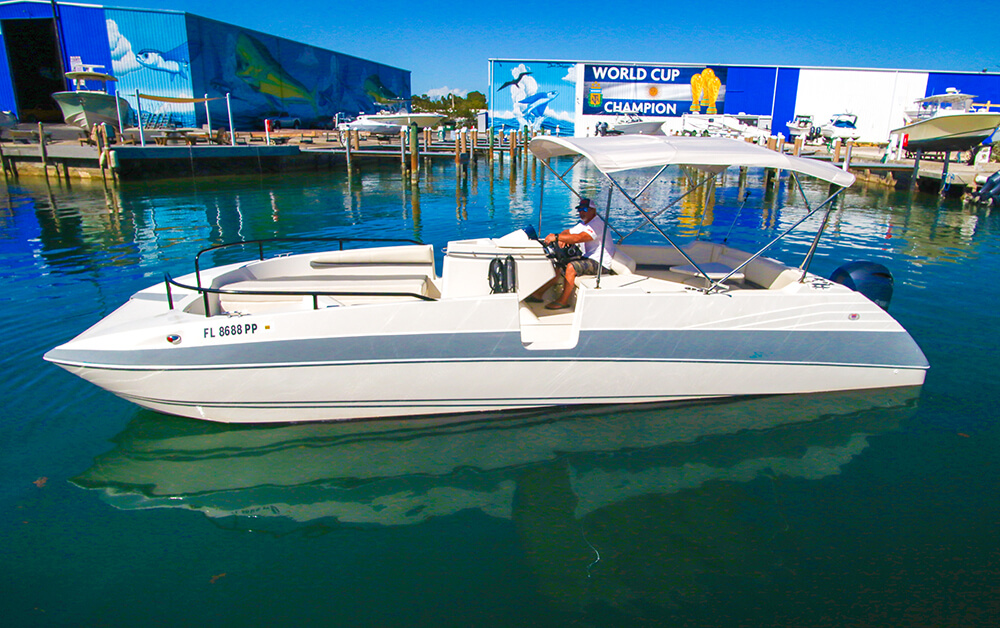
pixel 497 276
pixel 510 273
pixel 869 278
pixel 503 275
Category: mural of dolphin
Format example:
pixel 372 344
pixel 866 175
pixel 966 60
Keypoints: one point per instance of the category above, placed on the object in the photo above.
pixel 174 62
pixel 261 71
pixel 535 105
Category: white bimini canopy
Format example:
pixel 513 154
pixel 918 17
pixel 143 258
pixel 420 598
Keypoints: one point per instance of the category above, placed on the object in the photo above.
pixel 629 152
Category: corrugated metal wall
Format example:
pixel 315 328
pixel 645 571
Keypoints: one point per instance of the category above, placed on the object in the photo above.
pixel 149 51
pixel 16 11
pixel 82 34
pixel 269 76
pixel 150 56
pixel 85 36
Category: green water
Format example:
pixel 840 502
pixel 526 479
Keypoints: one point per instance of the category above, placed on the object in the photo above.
pixel 867 509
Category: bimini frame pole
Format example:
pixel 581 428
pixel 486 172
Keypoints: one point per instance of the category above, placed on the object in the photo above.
pixel 779 237
pixel 232 129
pixel 562 177
pixel 656 226
pixel 138 106
pixel 541 198
pixel 677 200
pixel 604 238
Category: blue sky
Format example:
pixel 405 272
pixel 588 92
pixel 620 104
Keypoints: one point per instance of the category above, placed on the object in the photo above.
pixel 446 44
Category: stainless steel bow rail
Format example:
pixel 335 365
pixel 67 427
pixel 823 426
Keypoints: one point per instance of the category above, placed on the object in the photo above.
pixel 204 291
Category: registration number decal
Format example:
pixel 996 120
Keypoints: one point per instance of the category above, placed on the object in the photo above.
pixel 233 329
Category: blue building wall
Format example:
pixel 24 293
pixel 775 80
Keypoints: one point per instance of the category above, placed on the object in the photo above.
pixel 268 76
pixel 784 99
pixel 16 11
pixel 986 87
pixel 750 90
pixel 179 55
pixel 84 35
pixel 150 56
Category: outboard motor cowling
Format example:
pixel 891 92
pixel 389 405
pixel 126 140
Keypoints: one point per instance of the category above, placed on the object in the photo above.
pixel 990 190
pixel 869 278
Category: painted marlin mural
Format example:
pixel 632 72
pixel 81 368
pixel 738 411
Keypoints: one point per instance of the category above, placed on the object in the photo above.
pixel 534 105
pixel 261 71
pixel 174 62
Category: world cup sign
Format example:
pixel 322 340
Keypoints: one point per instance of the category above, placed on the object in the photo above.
pixel 652 91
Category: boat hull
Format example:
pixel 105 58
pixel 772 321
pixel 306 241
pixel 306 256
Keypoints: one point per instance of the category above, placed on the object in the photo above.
pixel 404 360
pixel 422 120
pixel 953 132
pixel 651 127
pixel 362 391
pixel 88 109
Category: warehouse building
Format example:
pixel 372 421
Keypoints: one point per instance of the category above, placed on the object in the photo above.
pixel 180 56
pixel 572 97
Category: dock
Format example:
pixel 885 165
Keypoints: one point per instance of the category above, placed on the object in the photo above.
pixel 66 153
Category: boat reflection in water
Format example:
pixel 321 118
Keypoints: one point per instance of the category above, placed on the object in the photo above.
pixel 590 492
pixel 396 473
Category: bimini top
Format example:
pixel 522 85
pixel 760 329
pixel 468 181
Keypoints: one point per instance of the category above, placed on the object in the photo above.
pixel 629 152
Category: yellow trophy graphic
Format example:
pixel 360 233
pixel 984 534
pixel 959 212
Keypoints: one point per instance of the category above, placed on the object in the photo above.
pixel 696 93
pixel 713 93
pixel 710 85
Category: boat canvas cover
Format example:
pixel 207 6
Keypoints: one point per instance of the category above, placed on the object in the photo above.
pixel 714 154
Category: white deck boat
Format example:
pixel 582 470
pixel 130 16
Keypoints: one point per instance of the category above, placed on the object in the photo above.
pixel 375 332
pixel 946 122
pixel 405 118
pixel 632 124
pixel 714 125
pixel 803 126
pixel 367 124
pixel 87 108
pixel 843 126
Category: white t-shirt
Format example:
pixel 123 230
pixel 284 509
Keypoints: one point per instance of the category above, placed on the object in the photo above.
pixel 592 248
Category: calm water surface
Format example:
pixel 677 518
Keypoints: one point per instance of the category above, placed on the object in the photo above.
pixel 861 509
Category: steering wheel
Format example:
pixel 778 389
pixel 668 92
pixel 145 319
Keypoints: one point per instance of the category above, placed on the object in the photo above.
pixel 561 255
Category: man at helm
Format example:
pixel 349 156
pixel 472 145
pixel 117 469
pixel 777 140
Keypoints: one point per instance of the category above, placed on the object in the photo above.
pixel 588 235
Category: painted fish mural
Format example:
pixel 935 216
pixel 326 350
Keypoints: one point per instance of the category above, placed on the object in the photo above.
pixel 174 62
pixel 258 68
pixel 377 91
pixel 534 106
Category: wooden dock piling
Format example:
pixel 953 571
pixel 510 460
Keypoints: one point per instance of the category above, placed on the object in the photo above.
pixel 414 150
pixel 41 151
